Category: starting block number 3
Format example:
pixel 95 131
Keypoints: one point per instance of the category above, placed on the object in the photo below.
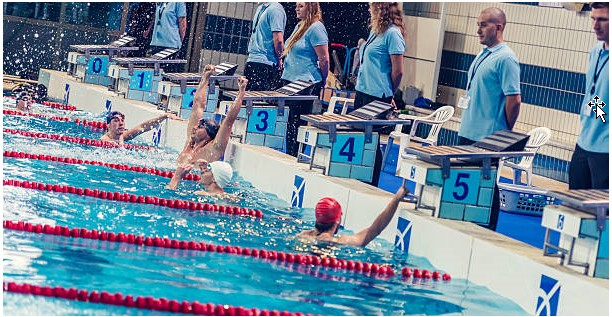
pixel 262 121
pixel 97 66
pixel 462 186
pixel 348 149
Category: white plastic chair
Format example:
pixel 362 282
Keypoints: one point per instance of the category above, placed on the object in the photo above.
pixel 436 119
pixel 345 103
pixel 537 137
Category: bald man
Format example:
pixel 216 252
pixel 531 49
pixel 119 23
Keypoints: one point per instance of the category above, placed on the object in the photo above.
pixel 493 94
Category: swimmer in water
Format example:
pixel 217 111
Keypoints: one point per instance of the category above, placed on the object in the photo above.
pixel 206 139
pixel 215 177
pixel 328 213
pixel 24 101
pixel 116 127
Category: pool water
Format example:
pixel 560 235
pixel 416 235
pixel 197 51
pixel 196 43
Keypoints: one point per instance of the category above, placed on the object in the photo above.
pixel 217 278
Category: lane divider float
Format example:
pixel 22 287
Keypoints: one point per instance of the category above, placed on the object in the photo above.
pixel 131 198
pixel 370 269
pixel 141 302
pixel 56 105
pixel 84 141
pixel 93 124
pixel 123 167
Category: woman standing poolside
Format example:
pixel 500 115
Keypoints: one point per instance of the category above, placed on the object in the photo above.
pixel 306 58
pixel 381 61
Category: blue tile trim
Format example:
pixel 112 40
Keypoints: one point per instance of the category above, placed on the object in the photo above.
pixel 541 86
pixel 226 34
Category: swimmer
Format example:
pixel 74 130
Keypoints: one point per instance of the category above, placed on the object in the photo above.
pixel 116 127
pixel 215 177
pixel 328 213
pixel 24 101
pixel 206 139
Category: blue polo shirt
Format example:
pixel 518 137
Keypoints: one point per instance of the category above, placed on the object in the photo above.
pixel 301 60
pixel 166 27
pixel 374 76
pixel 595 134
pixel 496 74
pixel 269 17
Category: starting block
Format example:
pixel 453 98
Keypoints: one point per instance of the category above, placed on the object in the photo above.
pixel 582 220
pixel 340 149
pixel 137 81
pixel 263 121
pixel 458 182
pixel 93 69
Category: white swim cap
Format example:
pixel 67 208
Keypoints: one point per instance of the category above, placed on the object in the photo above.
pixel 222 173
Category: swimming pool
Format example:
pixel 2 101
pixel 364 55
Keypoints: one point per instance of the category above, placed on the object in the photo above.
pixel 189 275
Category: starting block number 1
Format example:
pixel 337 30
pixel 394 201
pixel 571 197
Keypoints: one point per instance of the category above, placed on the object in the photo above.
pixel 97 66
pixel 348 149
pixel 262 121
pixel 141 80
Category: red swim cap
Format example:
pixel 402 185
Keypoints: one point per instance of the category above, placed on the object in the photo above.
pixel 328 210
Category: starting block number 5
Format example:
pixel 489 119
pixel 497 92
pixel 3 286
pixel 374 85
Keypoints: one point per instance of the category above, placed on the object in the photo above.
pixel 462 186
pixel 262 121
pixel 348 149
pixel 97 66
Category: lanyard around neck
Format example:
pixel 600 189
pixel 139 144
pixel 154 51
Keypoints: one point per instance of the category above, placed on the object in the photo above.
pixel 598 70
pixel 259 16
pixel 365 46
pixel 160 11
pixel 476 68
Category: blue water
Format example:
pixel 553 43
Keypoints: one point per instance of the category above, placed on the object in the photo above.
pixel 190 275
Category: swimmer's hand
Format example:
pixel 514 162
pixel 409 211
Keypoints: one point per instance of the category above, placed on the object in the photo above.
pixel 172 116
pixel 242 83
pixel 209 69
pixel 201 192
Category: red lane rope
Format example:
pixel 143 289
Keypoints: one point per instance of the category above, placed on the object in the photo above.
pixel 371 269
pixel 56 105
pixel 131 198
pixel 93 124
pixel 123 167
pixel 141 302
pixel 90 142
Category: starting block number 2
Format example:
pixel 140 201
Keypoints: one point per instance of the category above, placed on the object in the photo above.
pixel 348 149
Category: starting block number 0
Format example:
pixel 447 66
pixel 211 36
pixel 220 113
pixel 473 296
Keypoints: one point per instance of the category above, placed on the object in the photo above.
pixel 262 121
pixel 97 66
pixel 462 186
pixel 348 149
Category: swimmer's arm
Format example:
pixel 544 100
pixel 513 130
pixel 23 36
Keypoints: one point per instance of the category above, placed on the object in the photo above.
pixel 199 99
pixel 181 171
pixel 147 125
pixel 380 223
pixel 201 192
pixel 225 129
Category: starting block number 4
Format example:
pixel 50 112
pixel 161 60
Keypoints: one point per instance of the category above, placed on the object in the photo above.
pixel 462 187
pixel 141 80
pixel 348 149
pixel 262 121
pixel 97 66
pixel 188 98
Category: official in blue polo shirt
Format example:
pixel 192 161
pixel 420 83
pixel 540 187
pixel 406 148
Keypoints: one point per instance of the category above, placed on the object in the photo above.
pixel 170 25
pixel 493 97
pixel 589 168
pixel 266 45
pixel 306 58
pixel 381 62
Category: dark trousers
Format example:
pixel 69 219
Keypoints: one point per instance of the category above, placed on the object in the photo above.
pixel 495 202
pixel 261 77
pixel 296 109
pixel 589 170
pixel 362 99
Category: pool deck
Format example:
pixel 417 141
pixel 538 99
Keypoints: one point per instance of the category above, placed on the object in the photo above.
pixel 506 266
